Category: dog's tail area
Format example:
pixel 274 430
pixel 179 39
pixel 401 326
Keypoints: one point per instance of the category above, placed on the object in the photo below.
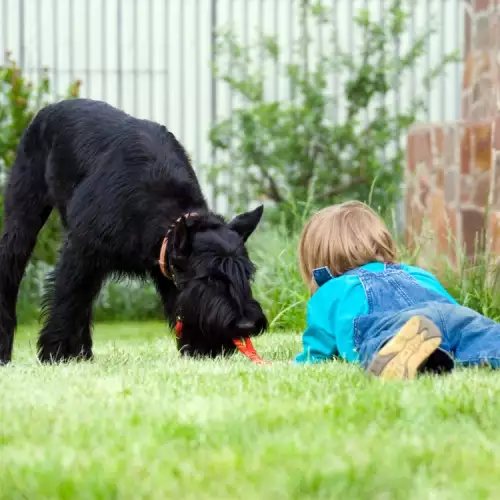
pixel 26 209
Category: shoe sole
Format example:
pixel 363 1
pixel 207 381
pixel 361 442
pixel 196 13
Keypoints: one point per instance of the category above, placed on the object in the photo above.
pixel 405 353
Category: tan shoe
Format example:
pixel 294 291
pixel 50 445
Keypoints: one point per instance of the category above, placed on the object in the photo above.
pixel 407 351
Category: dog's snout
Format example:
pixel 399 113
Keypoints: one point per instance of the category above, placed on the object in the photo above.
pixel 245 325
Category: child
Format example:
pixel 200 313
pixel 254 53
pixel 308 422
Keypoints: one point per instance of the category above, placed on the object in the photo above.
pixel 395 320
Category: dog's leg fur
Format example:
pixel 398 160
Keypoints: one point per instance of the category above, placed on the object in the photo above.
pixel 26 211
pixel 71 289
pixel 86 335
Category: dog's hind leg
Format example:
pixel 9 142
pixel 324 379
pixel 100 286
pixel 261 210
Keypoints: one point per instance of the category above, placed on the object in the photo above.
pixel 26 209
pixel 70 292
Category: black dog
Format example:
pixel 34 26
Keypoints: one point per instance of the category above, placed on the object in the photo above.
pixel 121 185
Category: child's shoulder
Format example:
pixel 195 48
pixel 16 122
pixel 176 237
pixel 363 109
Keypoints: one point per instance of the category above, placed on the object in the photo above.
pixel 415 270
pixel 336 288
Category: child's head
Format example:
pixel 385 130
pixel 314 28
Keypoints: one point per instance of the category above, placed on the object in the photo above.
pixel 344 237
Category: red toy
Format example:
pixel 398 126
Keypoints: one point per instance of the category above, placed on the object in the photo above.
pixel 245 346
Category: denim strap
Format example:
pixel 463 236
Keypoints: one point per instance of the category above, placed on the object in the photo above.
pixel 321 275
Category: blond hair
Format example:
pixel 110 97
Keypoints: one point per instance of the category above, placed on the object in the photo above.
pixel 344 237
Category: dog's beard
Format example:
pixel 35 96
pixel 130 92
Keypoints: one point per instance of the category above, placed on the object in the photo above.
pixel 207 312
pixel 210 314
pixel 207 321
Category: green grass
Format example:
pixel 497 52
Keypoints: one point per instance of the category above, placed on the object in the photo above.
pixel 139 422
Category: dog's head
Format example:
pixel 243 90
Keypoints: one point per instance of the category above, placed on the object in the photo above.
pixel 213 272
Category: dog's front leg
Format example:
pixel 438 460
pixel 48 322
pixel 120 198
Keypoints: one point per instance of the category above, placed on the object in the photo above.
pixel 70 291
pixel 168 294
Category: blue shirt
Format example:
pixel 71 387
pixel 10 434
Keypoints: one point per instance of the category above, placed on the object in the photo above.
pixel 331 312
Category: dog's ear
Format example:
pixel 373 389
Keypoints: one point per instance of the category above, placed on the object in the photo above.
pixel 245 223
pixel 181 237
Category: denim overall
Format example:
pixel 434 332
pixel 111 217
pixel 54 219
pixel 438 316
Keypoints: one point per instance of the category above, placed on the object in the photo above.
pixel 394 297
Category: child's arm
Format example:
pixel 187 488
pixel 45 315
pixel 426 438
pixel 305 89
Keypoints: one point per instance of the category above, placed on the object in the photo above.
pixel 330 321
pixel 319 345
pixel 318 340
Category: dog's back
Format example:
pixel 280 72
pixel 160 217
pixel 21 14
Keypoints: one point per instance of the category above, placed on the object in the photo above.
pixel 76 138
pixel 77 134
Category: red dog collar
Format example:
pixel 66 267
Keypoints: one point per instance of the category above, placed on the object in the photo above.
pixel 162 261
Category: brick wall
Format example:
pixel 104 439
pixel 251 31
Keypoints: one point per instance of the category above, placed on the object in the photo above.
pixel 453 169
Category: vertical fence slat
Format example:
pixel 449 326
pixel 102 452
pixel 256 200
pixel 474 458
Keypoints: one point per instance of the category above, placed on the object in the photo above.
pixel 291 41
pixel 150 59
pixel 442 77
pixel 230 204
pixel 319 27
pixel 22 60
pixel 397 93
pixel 335 83
pixel 135 70
pixel 39 42
pixel 182 118
pixel 167 64
pixel 88 50
pixel 428 58
pixel 277 62
pixel 304 35
pixel 399 215
pixel 413 87
pixel 459 21
pixel 383 97
pixel 104 53
pixel 213 88
pixel 245 25
pixel 198 80
pixel 119 55
pixel 5 28
pixel 245 193
pixel 71 45
pixel 55 47
pixel 261 23
pixel 367 111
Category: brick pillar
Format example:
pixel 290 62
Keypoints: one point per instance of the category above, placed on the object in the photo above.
pixel 482 38
pixel 451 169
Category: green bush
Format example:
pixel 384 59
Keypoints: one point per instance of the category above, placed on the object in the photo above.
pixel 278 285
pixel 20 100
pixel 289 151
pixel 129 300
pixel 124 301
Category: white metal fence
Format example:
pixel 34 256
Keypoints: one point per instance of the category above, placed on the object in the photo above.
pixel 152 57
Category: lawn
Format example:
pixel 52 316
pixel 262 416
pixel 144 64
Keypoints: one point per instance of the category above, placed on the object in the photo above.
pixel 139 422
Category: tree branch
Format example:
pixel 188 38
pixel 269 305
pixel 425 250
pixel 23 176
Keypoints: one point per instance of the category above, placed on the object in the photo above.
pixel 340 189
pixel 274 193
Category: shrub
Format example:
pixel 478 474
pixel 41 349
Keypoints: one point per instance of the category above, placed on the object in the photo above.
pixel 278 285
pixel 20 100
pixel 289 151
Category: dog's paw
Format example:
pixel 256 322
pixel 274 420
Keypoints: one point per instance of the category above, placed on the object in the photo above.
pixel 55 352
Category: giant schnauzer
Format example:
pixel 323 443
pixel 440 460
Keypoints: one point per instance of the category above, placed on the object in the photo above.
pixel 131 205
